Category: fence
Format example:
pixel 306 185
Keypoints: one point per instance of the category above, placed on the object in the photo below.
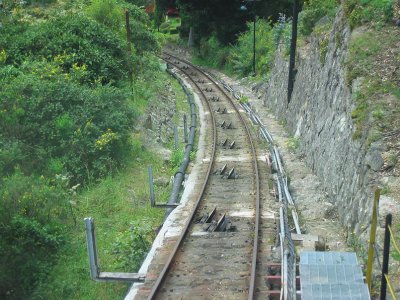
pixel 389 238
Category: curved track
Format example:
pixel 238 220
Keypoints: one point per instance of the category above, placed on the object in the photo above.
pixel 220 264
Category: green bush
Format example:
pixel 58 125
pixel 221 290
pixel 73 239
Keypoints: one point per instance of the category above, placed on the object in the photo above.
pixel 241 55
pixel 31 211
pixel 282 31
pixel 213 52
pixel 313 11
pixel 107 12
pixel 80 42
pixel 132 245
pixel 86 129
pixel 32 197
pixel 27 252
pixel 364 11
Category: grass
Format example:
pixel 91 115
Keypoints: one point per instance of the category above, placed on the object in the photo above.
pixel 293 144
pixel 115 203
pixel 373 60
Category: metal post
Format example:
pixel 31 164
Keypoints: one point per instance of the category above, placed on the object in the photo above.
pixel 91 246
pixel 185 134
pixel 151 186
pixel 386 250
pixel 372 236
pixel 292 61
pixel 175 137
pixel 191 38
pixel 254 43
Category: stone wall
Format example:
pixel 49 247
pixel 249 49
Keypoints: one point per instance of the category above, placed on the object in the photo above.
pixel 319 114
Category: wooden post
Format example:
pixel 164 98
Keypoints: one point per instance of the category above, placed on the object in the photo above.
pixel 372 236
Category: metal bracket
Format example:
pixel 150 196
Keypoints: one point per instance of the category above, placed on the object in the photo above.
pixel 152 195
pixel 232 174
pixel 95 273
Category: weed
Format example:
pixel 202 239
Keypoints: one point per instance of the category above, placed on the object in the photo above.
pixel 385 189
pixel 293 144
pixel 354 242
pixel 378 114
pixel 338 40
pixel 313 11
pixel 244 99
pixel 363 11
pixel 393 159
pixel 323 49
pixel 396 254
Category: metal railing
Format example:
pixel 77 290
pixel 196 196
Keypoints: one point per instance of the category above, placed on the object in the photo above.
pixel 388 239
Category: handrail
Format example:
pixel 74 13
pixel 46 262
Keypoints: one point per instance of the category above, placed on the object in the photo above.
pixel 394 240
pixel 390 286
pixel 372 239
pixel 389 237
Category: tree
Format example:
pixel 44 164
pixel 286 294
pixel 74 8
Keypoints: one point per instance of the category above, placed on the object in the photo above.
pixel 224 17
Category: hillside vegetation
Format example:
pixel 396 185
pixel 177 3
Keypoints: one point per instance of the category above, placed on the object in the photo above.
pixel 67 148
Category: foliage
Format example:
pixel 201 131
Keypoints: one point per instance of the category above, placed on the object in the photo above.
pixel 282 30
pixel 293 144
pixel 224 18
pixel 26 247
pixel 48 116
pixel 361 55
pixel 213 52
pixel 32 197
pixel 30 213
pixel 80 41
pixel 66 118
pixel 176 159
pixel 132 245
pixel 114 203
pixel 241 55
pixel 106 12
pixel 362 11
pixel 378 83
pixel 313 11
pixel 244 99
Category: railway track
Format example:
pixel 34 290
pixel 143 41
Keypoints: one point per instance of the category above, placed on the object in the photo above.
pixel 224 250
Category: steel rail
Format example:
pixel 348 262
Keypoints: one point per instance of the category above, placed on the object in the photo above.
pixel 255 166
pixel 161 277
pixel 288 284
pixel 256 173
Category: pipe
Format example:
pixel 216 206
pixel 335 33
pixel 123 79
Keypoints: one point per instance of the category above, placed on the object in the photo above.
pixel 180 174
